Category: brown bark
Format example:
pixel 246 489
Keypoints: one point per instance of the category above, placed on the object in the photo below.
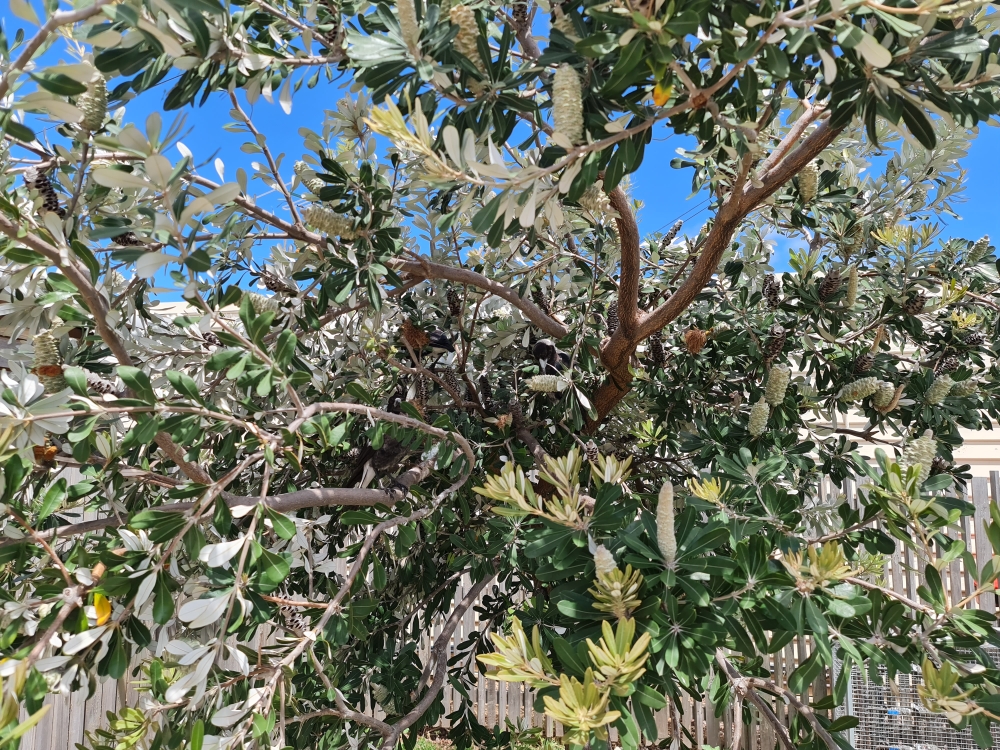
pixel 617 351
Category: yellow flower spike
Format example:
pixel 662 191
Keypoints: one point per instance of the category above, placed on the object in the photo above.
pixel 617 659
pixel 662 92
pixel 103 608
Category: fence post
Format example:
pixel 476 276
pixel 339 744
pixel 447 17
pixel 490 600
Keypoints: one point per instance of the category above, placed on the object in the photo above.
pixel 984 550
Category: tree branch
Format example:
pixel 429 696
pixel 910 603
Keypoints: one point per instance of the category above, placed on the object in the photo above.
pixel 742 686
pixel 631 271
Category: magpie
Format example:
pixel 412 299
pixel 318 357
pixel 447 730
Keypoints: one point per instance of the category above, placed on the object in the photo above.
pixel 551 361
pixel 375 463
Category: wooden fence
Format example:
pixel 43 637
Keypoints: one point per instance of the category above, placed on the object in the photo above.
pixel 497 703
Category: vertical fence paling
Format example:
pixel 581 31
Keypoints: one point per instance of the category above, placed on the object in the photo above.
pixel 495 703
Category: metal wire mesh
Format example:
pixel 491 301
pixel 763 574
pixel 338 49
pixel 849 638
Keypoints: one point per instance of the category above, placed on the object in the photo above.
pixel 891 716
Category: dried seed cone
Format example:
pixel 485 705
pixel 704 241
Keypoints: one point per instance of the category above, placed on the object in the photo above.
pixel 947 364
pixel 884 396
pixel 592 451
pixel 922 451
pixel 93 103
pixel 777 384
pixel 604 561
pixel 772 291
pixel 409 29
pixel 666 539
pixel 809 182
pixel 776 343
pixel 541 300
pixel 915 304
pixel 830 284
pixel 759 413
pixel 262 304
pixel 50 198
pixel 567 103
pixel 939 465
pixel 276 284
pixel 670 235
pixel 468 33
pixel 694 340
pixel 486 394
pixel 859 389
pixel 420 393
pixel 964 388
pixel 129 239
pixel 939 389
pixel 97 384
pixel 519 13
pixel 48 362
pixel 864 363
pixel 454 302
pixel 979 250
pixel 975 338
pixel 852 287
pixel 612 318
pixel 329 222
pixel 656 355
pixel 450 377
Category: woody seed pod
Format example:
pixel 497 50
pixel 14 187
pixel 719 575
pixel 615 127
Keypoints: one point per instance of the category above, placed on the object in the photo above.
pixel 852 287
pixel 670 235
pixel 666 539
pixel 830 284
pixel 776 343
pixel 519 13
pixel 97 384
pixel 612 318
pixel 48 362
pixel 939 389
pixel 541 300
pixel 694 340
pixel 964 388
pixel 777 383
pixel 864 363
pixel 884 395
pixel 915 304
pixel 409 29
pixel 420 393
pixel 859 389
pixel 415 337
pixel 129 239
pixel 604 561
pixel 454 302
pixel 772 291
pixel 93 103
pixel 979 250
pixel 808 182
pixel 592 451
pixel 276 284
pixel 329 222
pixel 486 394
pixel 39 181
pixel 759 413
pixel 450 377
pixel 939 465
pixel 975 338
pixel 922 451
pixel 567 103
pixel 468 33
pixel 947 364
pixel 656 354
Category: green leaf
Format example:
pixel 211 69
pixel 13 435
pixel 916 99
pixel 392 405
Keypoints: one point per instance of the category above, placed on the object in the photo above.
pixel 163 601
pixel 919 124
pixel 184 384
pixel 138 382
pixel 54 497
pixel 59 83
pixel 76 378
pixel 283 526
pixel 359 518
pixel 197 735
pixel 805 673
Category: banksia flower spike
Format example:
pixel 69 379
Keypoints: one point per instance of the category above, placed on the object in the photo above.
pixel 616 592
pixel 830 284
pixel 612 318
pixel 604 561
pixel 759 413
pixel 852 287
pixel 809 182
pixel 884 395
pixel 567 103
pixel 922 451
pixel 466 43
pixel 409 29
pixel 694 340
pixel 859 389
pixel 262 304
pixel 48 363
pixel 415 337
pixel 329 222
pixel 546 383
pixel 666 539
pixel 964 388
pixel 771 291
pixel 93 103
pixel 308 178
pixel 777 384
pixel 939 389
pixel 486 394
pixel 979 250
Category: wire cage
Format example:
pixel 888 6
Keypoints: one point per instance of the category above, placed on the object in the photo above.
pixel 891 716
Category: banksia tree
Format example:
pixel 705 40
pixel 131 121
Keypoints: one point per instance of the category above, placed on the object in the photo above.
pixel 670 235
pixel 540 298
pixel 964 388
pixel 939 389
pixel 775 343
pixel 307 176
pixel 262 303
pixel 546 383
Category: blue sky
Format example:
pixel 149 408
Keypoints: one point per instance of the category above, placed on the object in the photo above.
pixel 664 191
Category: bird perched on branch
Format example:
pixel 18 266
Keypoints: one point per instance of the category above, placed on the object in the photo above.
pixel 551 361
pixel 373 463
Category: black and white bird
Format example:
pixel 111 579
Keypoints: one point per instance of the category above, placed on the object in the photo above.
pixel 439 345
pixel 375 463
pixel 551 361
